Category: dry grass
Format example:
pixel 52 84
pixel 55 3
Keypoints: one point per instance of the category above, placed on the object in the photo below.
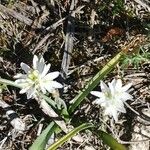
pixel 91 32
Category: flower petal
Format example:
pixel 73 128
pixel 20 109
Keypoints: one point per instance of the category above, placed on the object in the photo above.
pixel 24 90
pixel 104 87
pixel 56 84
pixel 25 67
pixel 20 81
pixel 30 93
pixel 112 88
pixel 121 109
pixel 51 76
pixel 126 87
pixel 35 62
pixel 115 115
pixel 113 82
pixel 118 85
pixel 99 101
pixel 96 93
pixel 41 66
pixel 50 86
pixel 126 96
pixel 43 89
pixel 19 75
pixel 45 70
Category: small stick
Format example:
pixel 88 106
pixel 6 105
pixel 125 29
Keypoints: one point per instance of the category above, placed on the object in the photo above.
pixel 68 41
pixel 53 27
pixel 16 15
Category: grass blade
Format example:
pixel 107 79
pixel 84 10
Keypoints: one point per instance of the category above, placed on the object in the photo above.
pixel 40 142
pixel 69 135
pixel 110 141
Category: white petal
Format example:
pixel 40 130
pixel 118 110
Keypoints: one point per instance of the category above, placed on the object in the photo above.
pixel 118 84
pixel 25 67
pixel 35 62
pixel 42 86
pixel 99 101
pixel 113 82
pixel 111 111
pixel 126 96
pixel 56 84
pixel 104 87
pixel 24 90
pixel 41 65
pixel 112 87
pixel 45 71
pixel 51 76
pixel 30 93
pixel 119 105
pixel 21 81
pixel 50 86
pixel 96 93
pixel 19 75
pixel 108 111
pixel 126 87
pixel 41 60
pixel 115 115
pixel 122 109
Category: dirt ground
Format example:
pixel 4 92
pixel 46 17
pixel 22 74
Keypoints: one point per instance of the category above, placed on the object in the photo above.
pixel 77 37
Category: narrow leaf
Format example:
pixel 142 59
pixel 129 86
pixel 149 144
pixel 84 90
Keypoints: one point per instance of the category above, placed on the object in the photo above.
pixel 110 141
pixel 40 142
pixel 69 135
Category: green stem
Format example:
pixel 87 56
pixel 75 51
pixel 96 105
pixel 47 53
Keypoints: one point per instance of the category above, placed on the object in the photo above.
pixel 9 82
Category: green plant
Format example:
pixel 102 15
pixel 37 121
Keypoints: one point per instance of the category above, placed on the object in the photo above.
pixel 32 84
pixel 136 59
pixel 53 127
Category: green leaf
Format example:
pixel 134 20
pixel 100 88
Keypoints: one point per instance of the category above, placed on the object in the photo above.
pixel 110 141
pixel 48 99
pixel 69 135
pixel 95 81
pixel 40 142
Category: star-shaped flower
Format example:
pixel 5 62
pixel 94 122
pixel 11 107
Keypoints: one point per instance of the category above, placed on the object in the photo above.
pixel 112 97
pixel 37 78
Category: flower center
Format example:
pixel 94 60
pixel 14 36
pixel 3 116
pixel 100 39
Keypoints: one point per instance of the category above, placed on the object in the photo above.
pixel 108 95
pixel 34 75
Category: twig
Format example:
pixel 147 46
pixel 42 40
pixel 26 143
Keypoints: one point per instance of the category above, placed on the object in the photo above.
pixel 133 142
pixel 53 27
pixel 68 41
pixel 137 113
pixel 143 4
pixel 4 140
pixel 16 15
pixel 131 108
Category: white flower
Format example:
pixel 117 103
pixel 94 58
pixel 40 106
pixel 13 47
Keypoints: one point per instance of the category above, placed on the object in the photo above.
pixel 37 78
pixel 112 97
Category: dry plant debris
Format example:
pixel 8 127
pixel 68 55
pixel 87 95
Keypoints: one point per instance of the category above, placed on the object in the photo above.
pixel 78 37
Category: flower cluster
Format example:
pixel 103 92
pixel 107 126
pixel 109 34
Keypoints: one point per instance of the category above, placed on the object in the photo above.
pixel 112 97
pixel 37 78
